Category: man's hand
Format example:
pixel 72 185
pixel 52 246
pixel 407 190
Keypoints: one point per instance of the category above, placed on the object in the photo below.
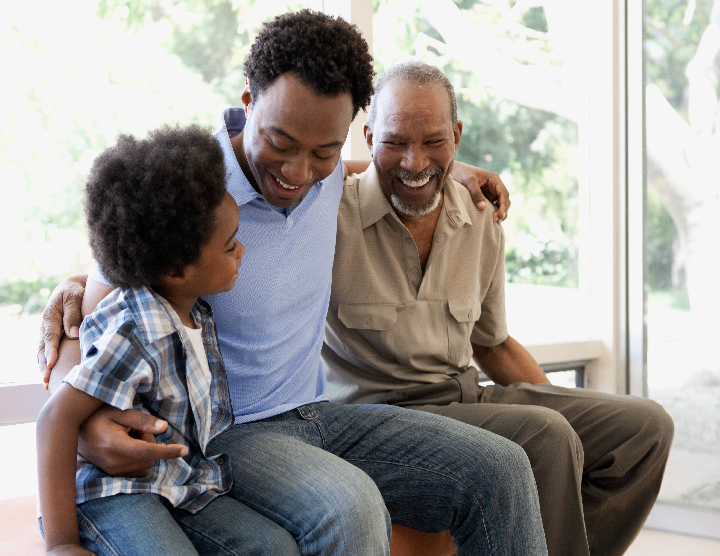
pixel 122 444
pixel 62 314
pixel 483 186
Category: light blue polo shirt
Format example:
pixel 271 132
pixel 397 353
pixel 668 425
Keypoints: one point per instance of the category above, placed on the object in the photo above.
pixel 271 325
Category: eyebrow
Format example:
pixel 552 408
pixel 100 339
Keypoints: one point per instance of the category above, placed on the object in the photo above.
pixel 232 237
pixel 393 135
pixel 291 138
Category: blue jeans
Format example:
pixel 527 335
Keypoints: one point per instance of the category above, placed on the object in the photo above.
pixel 334 476
pixel 146 524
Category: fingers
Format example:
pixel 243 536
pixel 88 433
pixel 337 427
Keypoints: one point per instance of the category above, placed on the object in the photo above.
pixel 50 331
pixel 72 305
pixel 62 312
pixel 136 420
pixel 150 451
pixel 121 443
pixel 502 207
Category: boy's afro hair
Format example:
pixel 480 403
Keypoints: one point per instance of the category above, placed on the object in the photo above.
pixel 150 204
pixel 327 53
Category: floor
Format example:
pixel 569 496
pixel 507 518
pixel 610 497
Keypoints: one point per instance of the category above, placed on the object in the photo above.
pixel 18 481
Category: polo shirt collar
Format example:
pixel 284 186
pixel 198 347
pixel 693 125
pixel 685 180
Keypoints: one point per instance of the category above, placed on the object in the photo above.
pixel 233 122
pixel 374 205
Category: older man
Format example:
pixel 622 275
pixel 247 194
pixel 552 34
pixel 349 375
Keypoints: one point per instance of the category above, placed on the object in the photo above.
pixel 418 290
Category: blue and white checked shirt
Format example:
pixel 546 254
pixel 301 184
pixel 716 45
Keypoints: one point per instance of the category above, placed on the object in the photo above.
pixel 136 354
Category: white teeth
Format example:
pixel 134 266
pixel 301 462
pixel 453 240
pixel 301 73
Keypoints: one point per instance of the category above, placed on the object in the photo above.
pixel 420 183
pixel 286 186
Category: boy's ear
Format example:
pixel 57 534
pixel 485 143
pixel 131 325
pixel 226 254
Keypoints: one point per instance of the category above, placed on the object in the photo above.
pixel 172 279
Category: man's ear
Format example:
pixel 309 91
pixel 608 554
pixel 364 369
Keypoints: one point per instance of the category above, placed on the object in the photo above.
pixel 457 132
pixel 368 138
pixel 246 97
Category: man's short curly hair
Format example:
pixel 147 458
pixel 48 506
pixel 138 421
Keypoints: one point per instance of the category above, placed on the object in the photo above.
pixel 327 53
pixel 150 204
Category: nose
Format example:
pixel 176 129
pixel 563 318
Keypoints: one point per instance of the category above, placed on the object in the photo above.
pixel 240 251
pixel 414 159
pixel 297 170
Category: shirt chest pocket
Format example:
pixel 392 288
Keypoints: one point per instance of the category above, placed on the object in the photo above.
pixel 461 317
pixel 373 322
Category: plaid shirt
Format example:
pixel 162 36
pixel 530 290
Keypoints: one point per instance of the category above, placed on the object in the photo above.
pixel 136 354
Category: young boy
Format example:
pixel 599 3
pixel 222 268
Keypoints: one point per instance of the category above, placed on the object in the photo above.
pixel 162 227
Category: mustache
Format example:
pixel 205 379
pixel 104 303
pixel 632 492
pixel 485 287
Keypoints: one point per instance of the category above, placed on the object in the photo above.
pixel 409 176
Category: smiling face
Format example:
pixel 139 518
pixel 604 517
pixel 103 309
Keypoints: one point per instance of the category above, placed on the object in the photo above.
pixel 292 138
pixel 413 144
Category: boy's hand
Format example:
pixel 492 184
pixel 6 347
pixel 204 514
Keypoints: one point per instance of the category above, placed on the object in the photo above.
pixel 69 550
pixel 122 443
pixel 62 314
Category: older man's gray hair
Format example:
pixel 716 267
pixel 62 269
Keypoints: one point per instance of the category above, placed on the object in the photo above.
pixel 417 72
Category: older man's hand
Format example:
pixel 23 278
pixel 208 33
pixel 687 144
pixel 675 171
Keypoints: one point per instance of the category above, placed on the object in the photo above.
pixel 483 186
pixel 62 314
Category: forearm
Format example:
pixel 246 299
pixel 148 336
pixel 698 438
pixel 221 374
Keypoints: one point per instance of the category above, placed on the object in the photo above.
pixel 508 363
pixel 57 438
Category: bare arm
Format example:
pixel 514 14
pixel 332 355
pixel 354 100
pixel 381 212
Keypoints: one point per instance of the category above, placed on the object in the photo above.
pixel 481 184
pixel 508 363
pixel 57 438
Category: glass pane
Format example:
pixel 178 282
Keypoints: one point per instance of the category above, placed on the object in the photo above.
pixel 517 72
pixel 682 49
pixel 72 80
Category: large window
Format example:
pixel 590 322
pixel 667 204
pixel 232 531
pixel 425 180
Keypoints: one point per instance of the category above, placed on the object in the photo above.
pixel 518 71
pixel 682 65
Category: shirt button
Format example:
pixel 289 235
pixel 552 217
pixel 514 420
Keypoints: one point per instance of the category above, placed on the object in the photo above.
pixel 408 240
pixel 470 315
pixel 413 271
pixel 220 460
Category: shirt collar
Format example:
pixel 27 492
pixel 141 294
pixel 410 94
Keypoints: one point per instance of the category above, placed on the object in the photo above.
pixel 233 122
pixel 155 317
pixel 374 205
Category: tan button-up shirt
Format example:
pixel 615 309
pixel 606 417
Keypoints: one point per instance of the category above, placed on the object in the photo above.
pixel 391 326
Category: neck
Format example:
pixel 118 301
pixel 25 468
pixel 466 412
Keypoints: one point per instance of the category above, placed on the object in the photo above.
pixel 237 145
pixel 180 302
pixel 422 229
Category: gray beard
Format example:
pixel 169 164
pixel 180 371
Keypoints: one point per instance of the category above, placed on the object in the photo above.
pixel 415 212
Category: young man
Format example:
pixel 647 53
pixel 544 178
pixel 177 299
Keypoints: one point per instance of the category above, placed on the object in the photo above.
pixel 333 475
pixel 419 289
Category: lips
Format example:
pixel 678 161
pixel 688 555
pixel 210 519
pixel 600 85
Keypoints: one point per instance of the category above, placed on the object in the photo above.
pixel 415 183
pixel 285 190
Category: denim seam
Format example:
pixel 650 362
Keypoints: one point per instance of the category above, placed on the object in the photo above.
pixel 322 434
pixel 92 531
pixel 212 540
pixel 479 502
